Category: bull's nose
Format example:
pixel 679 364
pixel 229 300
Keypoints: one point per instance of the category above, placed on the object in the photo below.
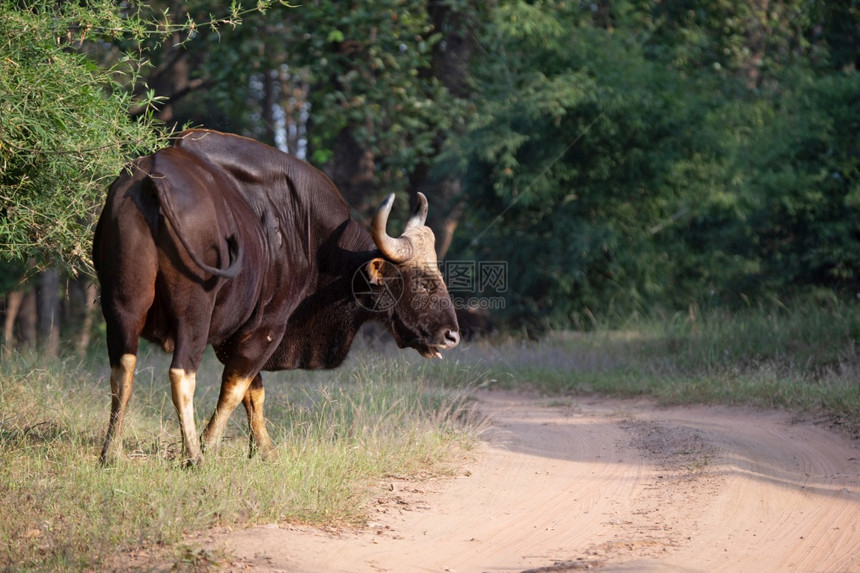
pixel 452 338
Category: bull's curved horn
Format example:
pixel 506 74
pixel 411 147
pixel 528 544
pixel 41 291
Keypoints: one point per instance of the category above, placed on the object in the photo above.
pixel 419 216
pixel 398 250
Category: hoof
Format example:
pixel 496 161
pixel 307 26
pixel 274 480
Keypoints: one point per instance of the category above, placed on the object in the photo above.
pixel 110 456
pixel 192 462
pixel 269 454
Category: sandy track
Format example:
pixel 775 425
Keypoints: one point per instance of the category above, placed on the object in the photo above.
pixel 603 484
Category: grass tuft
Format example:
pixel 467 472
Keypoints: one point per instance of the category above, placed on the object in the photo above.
pixel 802 359
pixel 340 432
pixel 336 433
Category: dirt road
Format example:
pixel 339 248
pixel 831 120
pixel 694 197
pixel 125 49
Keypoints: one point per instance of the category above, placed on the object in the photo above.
pixel 608 485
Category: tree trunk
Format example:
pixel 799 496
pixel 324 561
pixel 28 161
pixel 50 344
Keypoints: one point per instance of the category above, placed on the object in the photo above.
pixel 27 320
pixel 78 313
pixel 451 61
pixel 48 311
pixel 352 171
pixel 445 233
pixel 270 96
pixel 294 97
pixel 13 306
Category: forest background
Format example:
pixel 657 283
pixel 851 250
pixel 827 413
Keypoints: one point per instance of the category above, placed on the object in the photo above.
pixel 586 162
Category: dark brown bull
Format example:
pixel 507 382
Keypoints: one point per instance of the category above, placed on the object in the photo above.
pixel 222 240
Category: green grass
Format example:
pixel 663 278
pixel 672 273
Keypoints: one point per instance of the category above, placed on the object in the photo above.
pixel 339 433
pixel 336 433
pixel 801 359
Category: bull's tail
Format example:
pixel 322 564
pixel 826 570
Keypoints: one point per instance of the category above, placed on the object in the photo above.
pixel 162 190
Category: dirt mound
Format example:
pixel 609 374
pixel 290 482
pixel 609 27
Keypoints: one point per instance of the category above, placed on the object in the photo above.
pixel 602 484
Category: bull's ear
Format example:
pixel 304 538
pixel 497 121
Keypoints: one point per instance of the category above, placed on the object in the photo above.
pixel 376 271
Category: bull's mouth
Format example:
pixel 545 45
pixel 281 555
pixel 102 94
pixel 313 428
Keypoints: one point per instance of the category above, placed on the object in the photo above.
pixel 433 350
pixel 427 346
pixel 429 351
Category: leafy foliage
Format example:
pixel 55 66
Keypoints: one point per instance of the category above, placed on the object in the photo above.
pixel 804 173
pixel 620 156
pixel 64 130
pixel 65 120
pixel 368 65
pixel 638 167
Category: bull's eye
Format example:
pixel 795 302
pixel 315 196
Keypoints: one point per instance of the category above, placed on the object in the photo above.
pixel 423 286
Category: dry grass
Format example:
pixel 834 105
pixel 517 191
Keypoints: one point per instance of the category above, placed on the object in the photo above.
pixel 336 433
pixel 383 413
pixel 800 359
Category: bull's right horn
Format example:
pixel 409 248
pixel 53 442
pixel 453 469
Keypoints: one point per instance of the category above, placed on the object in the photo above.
pixel 419 217
pixel 397 250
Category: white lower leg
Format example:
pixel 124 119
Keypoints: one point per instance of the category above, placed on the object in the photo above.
pixel 232 391
pixel 182 385
pixel 121 383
